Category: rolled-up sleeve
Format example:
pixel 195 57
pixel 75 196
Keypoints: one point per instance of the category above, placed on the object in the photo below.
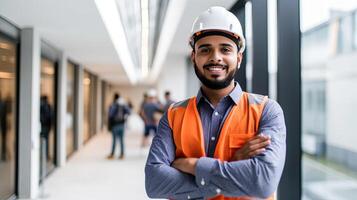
pixel 162 180
pixel 258 176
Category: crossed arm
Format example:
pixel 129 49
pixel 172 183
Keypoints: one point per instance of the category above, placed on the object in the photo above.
pixel 255 171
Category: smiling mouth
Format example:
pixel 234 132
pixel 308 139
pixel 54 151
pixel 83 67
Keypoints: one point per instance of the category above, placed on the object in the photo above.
pixel 215 68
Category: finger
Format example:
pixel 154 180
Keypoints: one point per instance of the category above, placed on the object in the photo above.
pixel 247 147
pixel 256 152
pixel 176 162
pixel 259 145
pixel 258 139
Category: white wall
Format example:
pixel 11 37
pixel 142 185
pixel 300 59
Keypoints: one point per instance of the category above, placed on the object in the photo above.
pixel 173 77
pixel 128 92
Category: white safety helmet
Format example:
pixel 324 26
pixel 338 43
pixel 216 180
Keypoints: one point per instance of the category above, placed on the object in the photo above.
pixel 218 20
pixel 152 93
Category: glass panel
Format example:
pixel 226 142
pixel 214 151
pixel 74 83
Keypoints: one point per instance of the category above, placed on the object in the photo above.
pixel 70 136
pixel 8 117
pixel 89 106
pixel 107 102
pixel 103 118
pixel 93 105
pixel 329 67
pixel 47 115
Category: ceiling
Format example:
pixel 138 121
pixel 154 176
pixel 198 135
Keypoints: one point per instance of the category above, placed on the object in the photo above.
pixel 76 27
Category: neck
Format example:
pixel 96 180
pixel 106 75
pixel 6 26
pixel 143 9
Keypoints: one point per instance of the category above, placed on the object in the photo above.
pixel 214 96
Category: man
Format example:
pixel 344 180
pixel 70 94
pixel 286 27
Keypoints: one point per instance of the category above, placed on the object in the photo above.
pixel 150 107
pixel 118 113
pixel 46 119
pixel 168 100
pixel 3 128
pixel 223 143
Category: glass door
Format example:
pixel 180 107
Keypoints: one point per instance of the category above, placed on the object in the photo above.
pixel 8 118
pixel 48 106
pixel 70 133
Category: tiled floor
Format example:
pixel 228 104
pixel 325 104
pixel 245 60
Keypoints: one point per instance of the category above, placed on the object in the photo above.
pixel 90 176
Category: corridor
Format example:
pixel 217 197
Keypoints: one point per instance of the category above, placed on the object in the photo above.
pixel 89 175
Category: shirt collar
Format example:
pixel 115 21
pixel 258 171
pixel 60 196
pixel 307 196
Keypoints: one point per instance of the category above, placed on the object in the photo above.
pixel 234 95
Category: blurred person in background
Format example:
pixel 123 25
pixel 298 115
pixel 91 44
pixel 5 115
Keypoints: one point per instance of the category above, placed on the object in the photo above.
pixel 145 99
pixel 149 109
pixel 168 100
pixel 46 119
pixel 117 116
pixel 3 128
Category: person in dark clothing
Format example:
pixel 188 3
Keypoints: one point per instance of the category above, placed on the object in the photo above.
pixel 46 119
pixel 150 107
pixel 168 100
pixel 3 127
pixel 118 113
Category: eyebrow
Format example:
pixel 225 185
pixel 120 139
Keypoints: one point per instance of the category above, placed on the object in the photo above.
pixel 226 45
pixel 208 45
pixel 204 45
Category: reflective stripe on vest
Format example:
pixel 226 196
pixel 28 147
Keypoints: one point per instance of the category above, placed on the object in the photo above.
pixel 241 124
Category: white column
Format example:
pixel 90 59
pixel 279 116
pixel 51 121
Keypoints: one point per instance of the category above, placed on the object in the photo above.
pixel 272 48
pixel 29 117
pixel 61 114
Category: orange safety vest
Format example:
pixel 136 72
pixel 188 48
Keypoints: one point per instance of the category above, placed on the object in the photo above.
pixel 241 124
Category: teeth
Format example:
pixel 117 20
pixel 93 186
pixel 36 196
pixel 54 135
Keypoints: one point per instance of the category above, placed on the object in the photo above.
pixel 215 68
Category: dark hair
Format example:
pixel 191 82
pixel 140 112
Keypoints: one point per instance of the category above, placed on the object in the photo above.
pixel 44 98
pixel 167 93
pixel 116 96
pixel 231 36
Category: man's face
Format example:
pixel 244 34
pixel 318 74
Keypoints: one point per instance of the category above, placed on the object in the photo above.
pixel 216 60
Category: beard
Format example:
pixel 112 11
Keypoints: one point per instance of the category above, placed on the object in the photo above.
pixel 214 84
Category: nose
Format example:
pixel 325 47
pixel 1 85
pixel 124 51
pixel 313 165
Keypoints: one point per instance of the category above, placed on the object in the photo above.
pixel 215 57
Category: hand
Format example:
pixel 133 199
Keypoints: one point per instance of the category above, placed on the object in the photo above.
pixel 187 165
pixel 253 147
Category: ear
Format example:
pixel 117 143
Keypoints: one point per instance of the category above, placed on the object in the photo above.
pixel 239 59
pixel 193 56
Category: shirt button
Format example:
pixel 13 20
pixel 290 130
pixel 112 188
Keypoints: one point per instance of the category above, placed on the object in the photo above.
pixel 218 191
pixel 203 182
pixel 213 138
pixel 188 197
pixel 216 113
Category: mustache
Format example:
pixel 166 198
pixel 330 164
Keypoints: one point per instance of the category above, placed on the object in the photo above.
pixel 213 64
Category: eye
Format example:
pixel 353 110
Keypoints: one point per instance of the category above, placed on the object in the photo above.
pixel 226 50
pixel 204 50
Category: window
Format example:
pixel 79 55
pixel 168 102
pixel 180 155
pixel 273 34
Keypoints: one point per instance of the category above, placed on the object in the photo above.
pixel 328 131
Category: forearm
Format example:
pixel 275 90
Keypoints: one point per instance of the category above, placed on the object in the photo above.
pixel 173 181
pixel 250 177
pixel 163 181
